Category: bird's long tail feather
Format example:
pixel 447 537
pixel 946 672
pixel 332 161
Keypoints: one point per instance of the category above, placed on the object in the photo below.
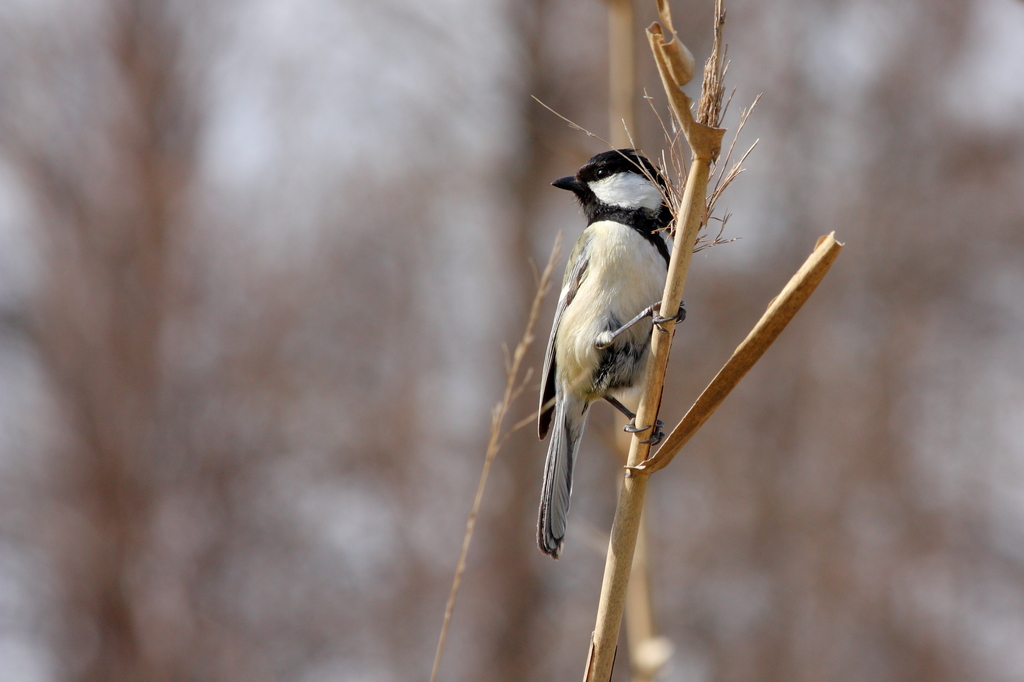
pixel 569 421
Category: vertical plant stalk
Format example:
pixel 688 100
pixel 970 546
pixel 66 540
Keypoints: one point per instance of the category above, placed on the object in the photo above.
pixel 648 652
pixel 675 65
pixel 513 387
pixel 621 71
pixel 631 497
pixel 640 630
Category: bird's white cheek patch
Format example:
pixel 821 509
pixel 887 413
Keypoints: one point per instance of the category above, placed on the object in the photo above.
pixel 627 190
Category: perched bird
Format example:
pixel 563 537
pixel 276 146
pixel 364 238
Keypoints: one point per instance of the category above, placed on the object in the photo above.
pixel 601 335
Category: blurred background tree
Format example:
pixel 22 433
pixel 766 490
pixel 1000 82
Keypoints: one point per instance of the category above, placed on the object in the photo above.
pixel 257 259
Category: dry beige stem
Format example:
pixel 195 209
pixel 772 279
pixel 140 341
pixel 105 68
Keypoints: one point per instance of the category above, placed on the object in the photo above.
pixel 705 143
pixel 671 60
pixel 678 57
pixel 647 652
pixel 621 69
pixel 631 497
pixel 513 387
pixel 780 311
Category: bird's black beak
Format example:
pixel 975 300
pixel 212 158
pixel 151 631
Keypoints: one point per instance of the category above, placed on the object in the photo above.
pixel 570 183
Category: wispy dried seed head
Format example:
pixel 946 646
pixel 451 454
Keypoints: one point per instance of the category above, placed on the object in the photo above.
pixel 709 107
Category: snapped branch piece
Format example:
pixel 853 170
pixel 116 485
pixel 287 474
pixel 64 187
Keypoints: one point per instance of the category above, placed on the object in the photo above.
pixel 780 312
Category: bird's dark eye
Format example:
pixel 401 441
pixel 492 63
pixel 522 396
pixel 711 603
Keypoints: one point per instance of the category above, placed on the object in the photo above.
pixel 602 173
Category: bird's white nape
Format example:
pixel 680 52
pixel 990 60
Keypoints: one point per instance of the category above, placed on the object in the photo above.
pixel 627 190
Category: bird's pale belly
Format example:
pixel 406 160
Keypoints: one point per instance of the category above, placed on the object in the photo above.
pixel 627 276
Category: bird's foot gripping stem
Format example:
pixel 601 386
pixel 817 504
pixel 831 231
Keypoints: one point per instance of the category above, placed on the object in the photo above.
pixel 631 427
pixel 656 435
pixel 606 338
pixel 658 320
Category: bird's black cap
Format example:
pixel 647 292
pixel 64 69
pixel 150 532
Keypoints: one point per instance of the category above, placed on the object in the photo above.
pixel 618 161
pixel 606 164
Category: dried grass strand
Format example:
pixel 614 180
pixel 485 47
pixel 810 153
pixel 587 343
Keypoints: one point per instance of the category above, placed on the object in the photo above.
pixel 513 388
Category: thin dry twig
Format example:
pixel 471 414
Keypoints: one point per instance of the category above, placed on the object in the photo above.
pixel 670 194
pixel 573 124
pixel 705 242
pixel 513 388
pixel 725 178
pixel 723 181
pixel 744 115
pixel 674 165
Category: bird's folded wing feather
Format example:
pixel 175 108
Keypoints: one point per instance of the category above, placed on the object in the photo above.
pixel 575 273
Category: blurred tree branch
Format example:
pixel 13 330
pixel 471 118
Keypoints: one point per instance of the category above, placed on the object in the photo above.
pixel 101 321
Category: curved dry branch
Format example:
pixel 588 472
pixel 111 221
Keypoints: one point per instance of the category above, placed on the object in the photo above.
pixel 780 312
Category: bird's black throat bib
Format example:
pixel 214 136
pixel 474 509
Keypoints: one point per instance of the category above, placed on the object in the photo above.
pixel 639 219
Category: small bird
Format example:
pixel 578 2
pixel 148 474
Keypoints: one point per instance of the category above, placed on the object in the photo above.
pixel 601 334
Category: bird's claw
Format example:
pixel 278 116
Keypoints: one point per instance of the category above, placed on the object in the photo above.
pixel 656 436
pixel 658 320
pixel 631 427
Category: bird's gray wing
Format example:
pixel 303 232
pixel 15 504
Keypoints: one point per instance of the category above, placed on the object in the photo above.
pixel 575 273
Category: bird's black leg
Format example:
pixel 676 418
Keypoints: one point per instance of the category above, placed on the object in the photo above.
pixel 659 320
pixel 605 339
pixel 620 407
pixel 631 427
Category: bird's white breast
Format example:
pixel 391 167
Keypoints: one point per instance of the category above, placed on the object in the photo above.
pixel 626 274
